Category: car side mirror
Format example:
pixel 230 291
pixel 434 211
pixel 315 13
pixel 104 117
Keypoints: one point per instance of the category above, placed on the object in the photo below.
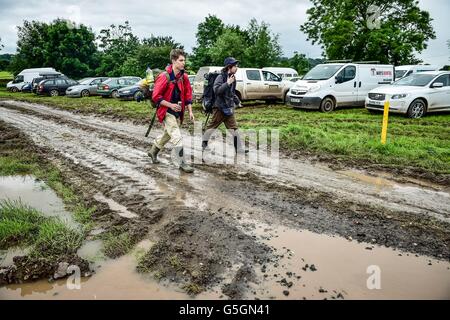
pixel 437 85
pixel 339 79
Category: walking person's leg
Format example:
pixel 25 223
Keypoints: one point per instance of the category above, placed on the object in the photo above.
pixel 217 119
pixel 159 144
pixel 231 125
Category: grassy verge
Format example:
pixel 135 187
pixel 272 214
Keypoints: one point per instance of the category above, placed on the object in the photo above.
pixel 21 225
pixel 345 134
pixel 17 158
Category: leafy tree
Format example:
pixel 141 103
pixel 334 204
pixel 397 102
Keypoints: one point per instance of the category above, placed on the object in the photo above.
pixel 229 43
pixel 146 56
pixel 160 41
pixel 207 34
pixel 58 44
pixel 117 43
pixel 264 49
pixel 345 30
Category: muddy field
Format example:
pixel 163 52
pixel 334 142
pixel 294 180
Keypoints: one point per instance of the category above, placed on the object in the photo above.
pixel 232 231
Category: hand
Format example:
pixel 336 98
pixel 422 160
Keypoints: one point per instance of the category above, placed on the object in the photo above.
pixel 175 107
pixel 191 116
pixel 231 79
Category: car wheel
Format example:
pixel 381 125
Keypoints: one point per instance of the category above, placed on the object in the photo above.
pixel 85 93
pixel 115 94
pixel 138 96
pixel 417 109
pixel 327 105
pixel 14 89
pixel 54 93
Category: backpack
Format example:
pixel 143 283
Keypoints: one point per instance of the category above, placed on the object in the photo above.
pixel 147 89
pixel 208 97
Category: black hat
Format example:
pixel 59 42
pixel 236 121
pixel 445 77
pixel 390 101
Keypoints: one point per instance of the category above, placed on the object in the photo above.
pixel 230 61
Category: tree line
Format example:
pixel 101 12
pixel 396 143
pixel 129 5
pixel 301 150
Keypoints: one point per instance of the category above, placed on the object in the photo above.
pixel 339 26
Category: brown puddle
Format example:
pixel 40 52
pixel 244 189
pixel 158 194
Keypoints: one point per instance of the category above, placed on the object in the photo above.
pixel 343 267
pixel 35 194
pixel 113 279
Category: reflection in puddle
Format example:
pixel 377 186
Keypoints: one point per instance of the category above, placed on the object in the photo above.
pixel 317 266
pixel 36 194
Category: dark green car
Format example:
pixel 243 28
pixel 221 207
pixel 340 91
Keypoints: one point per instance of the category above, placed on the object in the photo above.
pixel 110 87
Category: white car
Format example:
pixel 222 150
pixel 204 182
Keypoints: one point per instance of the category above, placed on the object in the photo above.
pixel 414 95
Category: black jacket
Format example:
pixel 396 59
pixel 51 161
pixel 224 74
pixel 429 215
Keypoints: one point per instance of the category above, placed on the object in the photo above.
pixel 225 94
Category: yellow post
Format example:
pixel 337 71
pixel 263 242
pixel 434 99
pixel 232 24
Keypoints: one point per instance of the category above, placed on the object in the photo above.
pixel 385 122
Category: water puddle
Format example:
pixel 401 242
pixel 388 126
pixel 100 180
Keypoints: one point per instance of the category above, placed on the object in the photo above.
pixel 6 256
pixel 36 194
pixel 113 279
pixel 315 266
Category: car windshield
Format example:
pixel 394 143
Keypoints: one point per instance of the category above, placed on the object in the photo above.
pixel 322 72
pixel 415 80
pixel 400 73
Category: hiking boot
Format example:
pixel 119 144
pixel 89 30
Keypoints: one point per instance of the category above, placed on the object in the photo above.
pixel 186 168
pixel 153 154
pixel 178 157
pixel 238 145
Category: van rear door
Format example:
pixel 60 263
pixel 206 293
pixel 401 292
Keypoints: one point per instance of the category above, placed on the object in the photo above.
pixel 371 77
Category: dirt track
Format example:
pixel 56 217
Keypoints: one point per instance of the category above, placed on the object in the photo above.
pixel 205 225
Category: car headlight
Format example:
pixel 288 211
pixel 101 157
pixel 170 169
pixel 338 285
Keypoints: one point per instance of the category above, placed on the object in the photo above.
pixel 314 88
pixel 399 96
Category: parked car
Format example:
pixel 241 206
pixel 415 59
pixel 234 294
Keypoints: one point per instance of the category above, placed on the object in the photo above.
pixel 294 79
pixel 27 88
pixel 131 92
pixel 110 87
pixel 55 87
pixel 26 76
pixel 43 76
pixel 414 95
pixel 86 87
pixel 329 85
pixel 191 79
pixel 404 71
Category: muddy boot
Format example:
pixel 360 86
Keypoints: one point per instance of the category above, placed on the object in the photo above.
pixel 153 153
pixel 178 155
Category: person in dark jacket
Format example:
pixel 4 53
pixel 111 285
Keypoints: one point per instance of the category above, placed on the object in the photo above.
pixel 226 100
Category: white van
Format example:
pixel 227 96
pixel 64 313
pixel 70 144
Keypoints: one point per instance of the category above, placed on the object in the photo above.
pixel 282 72
pixel 327 86
pixel 404 71
pixel 26 76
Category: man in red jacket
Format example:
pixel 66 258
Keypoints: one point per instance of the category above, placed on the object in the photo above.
pixel 172 93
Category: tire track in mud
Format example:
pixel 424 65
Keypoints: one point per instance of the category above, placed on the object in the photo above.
pixel 196 219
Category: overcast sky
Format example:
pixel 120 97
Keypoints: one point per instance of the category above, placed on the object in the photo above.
pixel 179 19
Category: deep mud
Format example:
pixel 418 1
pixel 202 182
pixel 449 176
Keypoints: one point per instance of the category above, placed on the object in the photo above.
pixel 204 225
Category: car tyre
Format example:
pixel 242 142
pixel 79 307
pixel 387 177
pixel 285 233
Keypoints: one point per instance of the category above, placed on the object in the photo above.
pixel 115 94
pixel 54 93
pixel 327 104
pixel 417 109
pixel 85 93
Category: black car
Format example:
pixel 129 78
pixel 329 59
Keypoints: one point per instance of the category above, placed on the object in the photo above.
pixel 43 76
pixel 55 87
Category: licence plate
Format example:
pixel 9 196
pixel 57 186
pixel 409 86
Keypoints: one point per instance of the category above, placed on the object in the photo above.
pixel 378 103
pixel 296 100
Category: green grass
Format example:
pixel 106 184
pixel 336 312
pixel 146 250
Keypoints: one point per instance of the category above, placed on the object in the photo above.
pixel 17 160
pixel 22 225
pixel 116 245
pixel 347 134
pixel 6 75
